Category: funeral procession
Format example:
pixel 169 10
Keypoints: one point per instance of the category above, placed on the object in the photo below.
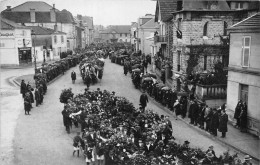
pixel 130 82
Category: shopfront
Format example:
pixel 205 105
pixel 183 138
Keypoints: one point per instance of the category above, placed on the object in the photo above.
pixel 25 55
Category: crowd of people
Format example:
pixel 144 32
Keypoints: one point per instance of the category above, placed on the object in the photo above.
pixel 114 131
pixel 29 98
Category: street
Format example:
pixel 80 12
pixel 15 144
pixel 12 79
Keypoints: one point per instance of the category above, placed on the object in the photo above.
pixel 41 137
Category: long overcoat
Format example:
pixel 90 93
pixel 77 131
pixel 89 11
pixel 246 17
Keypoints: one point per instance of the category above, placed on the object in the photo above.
pixel 23 88
pixel 73 75
pixel 223 119
pixel 214 123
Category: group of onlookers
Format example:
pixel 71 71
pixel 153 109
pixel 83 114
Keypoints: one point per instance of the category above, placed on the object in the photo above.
pixel 241 116
pixel 29 98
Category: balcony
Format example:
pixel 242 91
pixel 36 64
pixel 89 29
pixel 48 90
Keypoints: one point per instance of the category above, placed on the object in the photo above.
pixel 209 92
pixel 159 39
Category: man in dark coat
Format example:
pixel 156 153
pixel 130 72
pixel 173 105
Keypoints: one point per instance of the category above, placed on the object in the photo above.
pixel 223 119
pixel 37 96
pixel 73 77
pixel 214 122
pixel 66 120
pixel 143 100
pixel 193 112
pixel 23 88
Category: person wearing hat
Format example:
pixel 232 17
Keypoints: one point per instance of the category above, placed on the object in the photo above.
pixel 143 100
pixel 223 120
pixel 247 160
pixel 23 88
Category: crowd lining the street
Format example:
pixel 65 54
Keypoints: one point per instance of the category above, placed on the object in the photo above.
pixel 114 131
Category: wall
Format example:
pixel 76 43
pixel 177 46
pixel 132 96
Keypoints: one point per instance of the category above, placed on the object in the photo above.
pixel 235 78
pixel 236 50
pixel 67 28
pixel 59 46
pixel 9 45
pixel 145 44
pixel 233 95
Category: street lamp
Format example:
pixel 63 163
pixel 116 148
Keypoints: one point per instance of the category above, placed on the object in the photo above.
pixel 34 55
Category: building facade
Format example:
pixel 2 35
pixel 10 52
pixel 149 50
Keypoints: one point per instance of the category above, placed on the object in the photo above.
pixel 38 13
pixel 116 33
pixel 15 44
pixel 244 69
pixel 47 44
pixel 200 41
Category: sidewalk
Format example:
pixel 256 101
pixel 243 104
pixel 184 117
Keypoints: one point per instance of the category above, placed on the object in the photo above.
pixel 242 142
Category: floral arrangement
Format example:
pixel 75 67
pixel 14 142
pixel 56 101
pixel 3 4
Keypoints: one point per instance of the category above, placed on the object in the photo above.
pixel 65 95
pixel 117 121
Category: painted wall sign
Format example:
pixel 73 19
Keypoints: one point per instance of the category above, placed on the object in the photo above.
pixel 6 34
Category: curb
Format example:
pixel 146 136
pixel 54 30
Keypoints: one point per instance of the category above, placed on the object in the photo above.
pixel 203 132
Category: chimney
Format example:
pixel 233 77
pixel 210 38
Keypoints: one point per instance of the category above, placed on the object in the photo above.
pixel 53 15
pixel 32 15
pixel 53 6
pixel 8 8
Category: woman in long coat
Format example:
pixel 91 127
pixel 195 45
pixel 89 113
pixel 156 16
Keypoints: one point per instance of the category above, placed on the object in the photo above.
pixel 223 120
pixel 238 112
pixel 243 118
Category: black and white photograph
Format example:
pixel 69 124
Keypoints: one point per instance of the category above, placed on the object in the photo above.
pixel 130 82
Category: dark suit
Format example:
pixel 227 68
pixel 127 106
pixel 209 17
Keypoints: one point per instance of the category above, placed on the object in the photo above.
pixel 143 100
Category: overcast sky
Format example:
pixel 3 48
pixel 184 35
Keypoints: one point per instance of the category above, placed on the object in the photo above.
pixel 104 12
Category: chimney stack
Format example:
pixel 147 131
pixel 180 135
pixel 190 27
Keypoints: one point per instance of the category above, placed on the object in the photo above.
pixel 53 15
pixel 8 8
pixel 53 6
pixel 32 15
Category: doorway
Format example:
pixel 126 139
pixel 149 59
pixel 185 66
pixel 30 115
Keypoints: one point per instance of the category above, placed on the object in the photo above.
pixel 25 55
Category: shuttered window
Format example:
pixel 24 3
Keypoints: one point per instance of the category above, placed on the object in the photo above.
pixel 246 42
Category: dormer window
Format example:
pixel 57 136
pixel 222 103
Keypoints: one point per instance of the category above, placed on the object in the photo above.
pixel 205 29
pixel 239 5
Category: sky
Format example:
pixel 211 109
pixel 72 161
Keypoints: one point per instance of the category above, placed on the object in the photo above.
pixel 104 12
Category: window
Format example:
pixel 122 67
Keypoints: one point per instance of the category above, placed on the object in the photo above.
pixel 239 5
pixel 225 28
pixel 55 39
pixel 205 29
pixel 62 39
pixel 179 61
pixel 125 34
pixel 120 35
pixel 244 93
pixel 125 40
pixel 205 62
pixel 246 51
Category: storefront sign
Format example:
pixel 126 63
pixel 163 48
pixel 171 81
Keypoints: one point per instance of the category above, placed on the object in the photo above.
pixel 6 34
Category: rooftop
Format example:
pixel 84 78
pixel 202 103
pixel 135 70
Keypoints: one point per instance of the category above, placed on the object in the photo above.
pixel 250 23
pixel 118 29
pixel 165 7
pixel 38 30
pixel 7 24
